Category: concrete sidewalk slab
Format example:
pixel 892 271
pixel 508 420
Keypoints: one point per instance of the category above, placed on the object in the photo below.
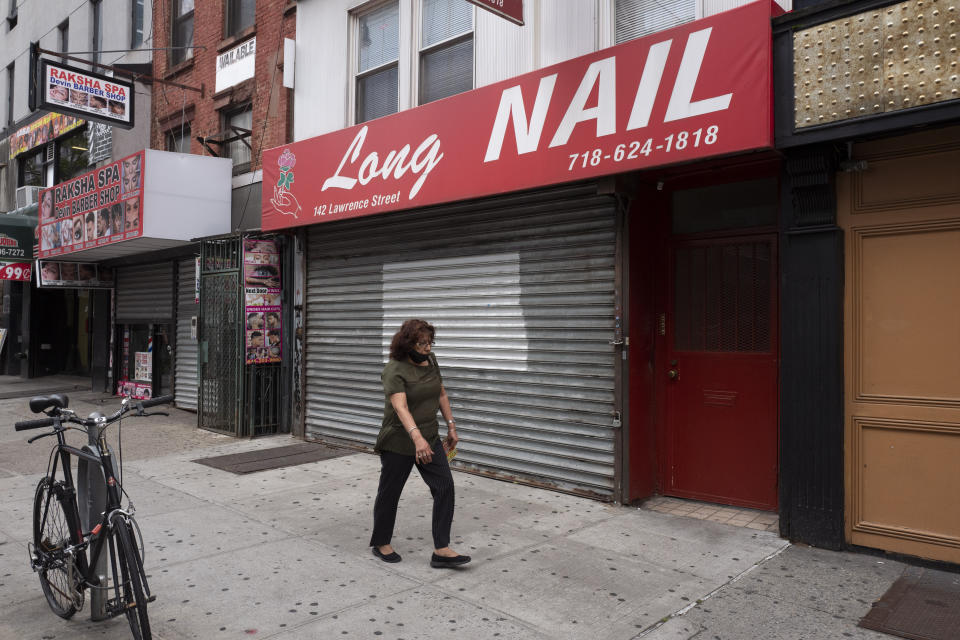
pixel 283 554
pixel 843 585
pixel 273 586
pixel 423 613
pixel 801 592
pixel 704 549
pixel 17 387
pixel 568 590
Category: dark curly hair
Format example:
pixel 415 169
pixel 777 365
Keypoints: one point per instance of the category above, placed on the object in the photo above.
pixel 405 340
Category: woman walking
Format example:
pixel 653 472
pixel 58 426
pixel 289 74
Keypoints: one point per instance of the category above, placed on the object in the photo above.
pixel 409 435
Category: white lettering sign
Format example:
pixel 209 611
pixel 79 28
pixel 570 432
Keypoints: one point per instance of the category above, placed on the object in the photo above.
pixel 236 65
pixel 424 159
pixel 602 74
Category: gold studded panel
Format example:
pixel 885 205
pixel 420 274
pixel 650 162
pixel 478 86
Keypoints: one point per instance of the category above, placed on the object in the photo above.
pixel 880 61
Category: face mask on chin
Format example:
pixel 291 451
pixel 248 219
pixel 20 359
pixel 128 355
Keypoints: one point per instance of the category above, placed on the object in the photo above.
pixel 418 357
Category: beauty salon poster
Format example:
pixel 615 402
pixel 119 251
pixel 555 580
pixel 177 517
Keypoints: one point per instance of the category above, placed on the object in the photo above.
pixel 261 281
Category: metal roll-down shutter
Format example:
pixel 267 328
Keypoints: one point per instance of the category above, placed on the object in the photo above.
pixel 185 381
pixel 145 293
pixel 521 289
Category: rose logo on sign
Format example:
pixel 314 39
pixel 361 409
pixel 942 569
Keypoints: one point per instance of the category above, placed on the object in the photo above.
pixel 283 201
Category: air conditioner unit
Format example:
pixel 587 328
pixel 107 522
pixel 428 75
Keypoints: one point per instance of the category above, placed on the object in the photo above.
pixel 27 196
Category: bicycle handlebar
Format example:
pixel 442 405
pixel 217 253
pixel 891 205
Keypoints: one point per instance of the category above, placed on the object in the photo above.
pixel 23 425
pixel 40 423
pixel 155 401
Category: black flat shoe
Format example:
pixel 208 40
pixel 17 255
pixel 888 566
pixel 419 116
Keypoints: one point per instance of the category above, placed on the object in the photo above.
pixel 393 556
pixel 442 562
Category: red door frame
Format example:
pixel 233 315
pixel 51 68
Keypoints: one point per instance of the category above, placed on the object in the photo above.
pixel 668 436
pixel 648 227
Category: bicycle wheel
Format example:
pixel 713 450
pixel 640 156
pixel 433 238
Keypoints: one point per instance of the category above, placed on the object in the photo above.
pixel 131 580
pixel 59 578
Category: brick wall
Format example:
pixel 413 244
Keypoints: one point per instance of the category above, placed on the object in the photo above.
pixel 275 20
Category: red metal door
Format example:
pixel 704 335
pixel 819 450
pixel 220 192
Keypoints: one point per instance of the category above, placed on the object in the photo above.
pixel 720 373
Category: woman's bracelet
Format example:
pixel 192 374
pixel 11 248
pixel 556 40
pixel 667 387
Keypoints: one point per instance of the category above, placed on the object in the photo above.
pixel 410 432
pixel 450 422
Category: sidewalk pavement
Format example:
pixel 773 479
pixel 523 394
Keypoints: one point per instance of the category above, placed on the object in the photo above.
pixel 283 554
pixel 17 387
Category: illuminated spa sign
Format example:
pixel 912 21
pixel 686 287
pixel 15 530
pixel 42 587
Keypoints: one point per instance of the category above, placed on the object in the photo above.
pixel 90 95
pixel 99 207
pixel 147 201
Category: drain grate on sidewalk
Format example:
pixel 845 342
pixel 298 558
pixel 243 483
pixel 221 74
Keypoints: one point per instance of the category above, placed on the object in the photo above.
pixel 923 604
pixel 275 458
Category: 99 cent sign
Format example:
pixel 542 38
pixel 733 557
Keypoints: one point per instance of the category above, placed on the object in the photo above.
pixel 16 253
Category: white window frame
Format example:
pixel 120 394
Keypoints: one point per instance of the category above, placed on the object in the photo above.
pixel 417 50
pixel 134 31
pixel 408 54
pixel 403 68
pixel 607 18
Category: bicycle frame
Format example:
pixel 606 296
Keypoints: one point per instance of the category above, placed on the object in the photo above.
pixel 98 534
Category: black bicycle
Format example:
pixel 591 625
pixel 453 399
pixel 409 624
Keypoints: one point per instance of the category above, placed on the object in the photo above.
pixel 59 552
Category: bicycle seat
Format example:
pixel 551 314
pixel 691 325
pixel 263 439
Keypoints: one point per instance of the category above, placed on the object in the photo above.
pixel 42 403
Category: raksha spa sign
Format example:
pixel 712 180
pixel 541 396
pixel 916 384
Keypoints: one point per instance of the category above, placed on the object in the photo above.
pixel 90 95
pixel 699 90
pixel 99 207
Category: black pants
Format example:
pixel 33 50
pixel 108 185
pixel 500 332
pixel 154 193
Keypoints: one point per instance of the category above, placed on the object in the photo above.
pixel 394 471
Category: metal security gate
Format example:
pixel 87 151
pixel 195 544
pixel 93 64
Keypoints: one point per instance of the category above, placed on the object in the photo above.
pixel 522 291
pixel 221 335
pixel 145 293
pixel 188 312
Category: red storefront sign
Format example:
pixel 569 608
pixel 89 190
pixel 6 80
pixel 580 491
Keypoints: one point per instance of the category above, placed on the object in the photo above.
pixel 512 10
pixel 695 91
pixel 99 207
pixel 15 271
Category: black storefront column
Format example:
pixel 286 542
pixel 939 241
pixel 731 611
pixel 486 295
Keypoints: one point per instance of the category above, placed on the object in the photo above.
pixel 811 383
pixel 101 326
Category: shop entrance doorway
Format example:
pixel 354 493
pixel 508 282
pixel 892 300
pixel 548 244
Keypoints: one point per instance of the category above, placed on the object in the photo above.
pixel 718 365
pixel 721 387
pixel 61 332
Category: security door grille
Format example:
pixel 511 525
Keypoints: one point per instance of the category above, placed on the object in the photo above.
pixel 722 297
pixel 188 311
pixel 521 289
pixel 220 335
pixel 145 293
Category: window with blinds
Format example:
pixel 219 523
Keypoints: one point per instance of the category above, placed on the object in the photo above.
pixel 239 125
pixel 637 18
pixel 446 49
pixel 378 51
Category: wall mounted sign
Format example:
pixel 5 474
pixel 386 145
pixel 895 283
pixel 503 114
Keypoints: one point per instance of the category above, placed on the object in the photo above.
pixel 90 95
pixel 261 282
pixel 99 207
pixel 41 131
pixel 699 90
pixel 73 275
pixel 512 10
pixel 236 65
pixel 16 252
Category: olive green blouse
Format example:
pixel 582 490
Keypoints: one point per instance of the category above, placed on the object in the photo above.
pixel 422 384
